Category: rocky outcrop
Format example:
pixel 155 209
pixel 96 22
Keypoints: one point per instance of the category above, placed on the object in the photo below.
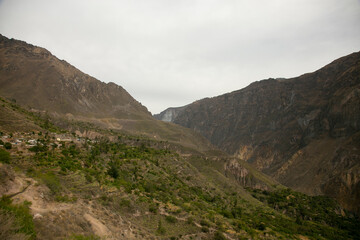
pixel 292 129
pixel 169 114
pixel 247 176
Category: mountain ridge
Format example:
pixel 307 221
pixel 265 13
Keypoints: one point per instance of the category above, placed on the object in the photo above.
pixel 56 183
pixel 281 125
pixel 39 81
pixel 68 173
pixel 58 86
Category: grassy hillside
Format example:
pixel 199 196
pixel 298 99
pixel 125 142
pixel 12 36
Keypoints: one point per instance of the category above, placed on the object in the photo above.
pixel 58 185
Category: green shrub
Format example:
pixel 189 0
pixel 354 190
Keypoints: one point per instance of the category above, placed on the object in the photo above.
pixel 65 198
pixel 38 148
pixel 261 226
pixel 171 219
pixel 89 178
pixel 124 203
pixel 84 237
pixel 113 171
pixel 190 220
pixel 219 236
pixel 160 229
pixel 7 145
pixel 153 208
pixel 236 212
pixel 21 214
pixel 205 223
pixel 4 156
pixel 52 182
pixel 9 229
pixel 204 229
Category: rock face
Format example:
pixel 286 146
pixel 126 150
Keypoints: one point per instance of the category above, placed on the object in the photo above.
pixel 169 114
pixel 303 131
pixel 36 78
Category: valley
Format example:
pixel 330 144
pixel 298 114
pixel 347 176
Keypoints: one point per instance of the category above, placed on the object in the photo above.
pixel 303 131
pixel 82 159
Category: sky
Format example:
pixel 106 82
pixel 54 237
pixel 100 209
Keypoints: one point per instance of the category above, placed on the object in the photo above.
pixel 169 53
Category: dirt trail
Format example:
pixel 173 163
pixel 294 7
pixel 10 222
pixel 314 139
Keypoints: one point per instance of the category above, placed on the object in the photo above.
pixel 36 194
pixel 99 228
pixel 57 220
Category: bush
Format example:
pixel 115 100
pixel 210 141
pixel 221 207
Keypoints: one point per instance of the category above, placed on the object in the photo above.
pixel 52 182
pixel 38 148
pixel 113 171
pixel 7 145
pixel 4 156
pixel 219 236
pixel 160 229
pixel 17 217
pixel 204 229
pixel 171 219
pixel 9 229
pixel 89 178
pixel 261 226
pixel 153 208
pixel 205 223
pixel 190 220
pixel 124 203
pixel 83 237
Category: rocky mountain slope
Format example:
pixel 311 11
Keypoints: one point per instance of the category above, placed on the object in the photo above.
pixel 303 131
pixel 169 114
pixel 59 185
pixel 72 168
pixel 32 77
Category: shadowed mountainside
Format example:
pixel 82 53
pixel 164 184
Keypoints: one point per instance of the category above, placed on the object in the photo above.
pixel 303 131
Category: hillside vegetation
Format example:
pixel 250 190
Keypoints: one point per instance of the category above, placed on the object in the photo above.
pixel 57 185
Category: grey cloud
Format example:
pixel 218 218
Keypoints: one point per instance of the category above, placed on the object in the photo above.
pixel 170 53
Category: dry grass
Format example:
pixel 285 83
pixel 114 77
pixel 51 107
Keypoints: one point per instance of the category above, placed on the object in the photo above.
pixel 9 229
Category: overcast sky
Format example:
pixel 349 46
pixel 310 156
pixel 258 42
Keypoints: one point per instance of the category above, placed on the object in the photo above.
pixel 172 52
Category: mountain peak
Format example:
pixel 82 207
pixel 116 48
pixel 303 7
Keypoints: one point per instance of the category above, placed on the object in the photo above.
pixel 56 86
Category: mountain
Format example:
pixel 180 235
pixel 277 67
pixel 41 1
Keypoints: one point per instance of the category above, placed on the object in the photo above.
pixel 56 184
pixel 32 77
pixel 302 131
pixel 89 162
